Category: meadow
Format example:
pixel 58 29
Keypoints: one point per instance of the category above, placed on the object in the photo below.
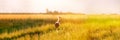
pixel 72 27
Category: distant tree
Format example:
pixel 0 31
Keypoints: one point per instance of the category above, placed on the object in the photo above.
pixel 52 12
pixel 55 12
pixel 47 11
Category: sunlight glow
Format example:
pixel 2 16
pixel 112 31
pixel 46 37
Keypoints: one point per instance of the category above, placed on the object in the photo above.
pixel 77 6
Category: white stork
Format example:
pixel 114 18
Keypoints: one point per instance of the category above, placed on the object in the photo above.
pixel 57 23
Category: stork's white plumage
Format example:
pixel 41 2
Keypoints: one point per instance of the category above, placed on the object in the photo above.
pixel 57 23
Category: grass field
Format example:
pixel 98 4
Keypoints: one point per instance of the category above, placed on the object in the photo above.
pixel 72 27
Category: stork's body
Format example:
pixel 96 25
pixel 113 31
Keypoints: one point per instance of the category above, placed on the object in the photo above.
pixel 57 23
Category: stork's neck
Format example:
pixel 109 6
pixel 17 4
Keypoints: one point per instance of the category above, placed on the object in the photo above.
pixel 58 19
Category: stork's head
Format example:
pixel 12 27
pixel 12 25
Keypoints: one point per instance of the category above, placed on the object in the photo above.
pixel 58 17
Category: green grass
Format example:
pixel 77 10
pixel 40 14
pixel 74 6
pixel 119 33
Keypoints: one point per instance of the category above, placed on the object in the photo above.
pixel 72 27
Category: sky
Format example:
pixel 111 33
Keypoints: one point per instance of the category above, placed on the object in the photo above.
pixel 77 6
